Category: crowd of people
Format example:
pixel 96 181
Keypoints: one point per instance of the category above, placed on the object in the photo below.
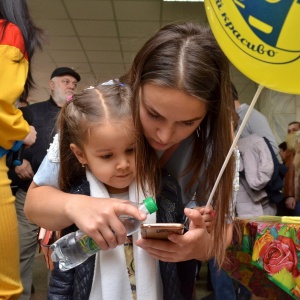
pixel 153 131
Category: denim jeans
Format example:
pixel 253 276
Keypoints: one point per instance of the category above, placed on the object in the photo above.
pixel 297 209
pixel 222 283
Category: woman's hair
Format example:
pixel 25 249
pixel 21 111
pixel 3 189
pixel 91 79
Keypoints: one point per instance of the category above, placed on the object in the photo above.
pixel 17 12
pixel 187 57
pixel 235 95
pixel 78 116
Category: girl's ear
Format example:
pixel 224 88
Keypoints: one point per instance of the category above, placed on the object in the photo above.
pixel 79 154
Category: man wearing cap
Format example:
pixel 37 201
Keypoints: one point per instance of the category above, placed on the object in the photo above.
pixel 63 82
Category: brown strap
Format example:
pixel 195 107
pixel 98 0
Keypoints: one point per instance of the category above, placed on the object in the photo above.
pixel 167 154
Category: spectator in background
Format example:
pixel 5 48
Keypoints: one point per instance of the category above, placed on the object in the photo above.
pixel 282 151
pixel 257 123
pixel 293 127
pixel 282 210
pixel 292 178
pixel 63 83
pixel 19 38
pixel 256 169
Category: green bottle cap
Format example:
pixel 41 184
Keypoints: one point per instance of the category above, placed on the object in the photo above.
pixel 150 205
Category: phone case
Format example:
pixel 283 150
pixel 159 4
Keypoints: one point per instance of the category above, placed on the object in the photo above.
pixel 160 230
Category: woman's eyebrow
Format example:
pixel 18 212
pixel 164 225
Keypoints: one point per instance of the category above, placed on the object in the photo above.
pixel 152 109
pixel 156 112
pixel 194 119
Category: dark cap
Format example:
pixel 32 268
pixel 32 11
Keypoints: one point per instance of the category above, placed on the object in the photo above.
pixel 65 71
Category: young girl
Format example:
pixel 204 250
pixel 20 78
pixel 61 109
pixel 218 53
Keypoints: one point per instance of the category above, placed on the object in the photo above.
pixel 97 126
pixel 181 102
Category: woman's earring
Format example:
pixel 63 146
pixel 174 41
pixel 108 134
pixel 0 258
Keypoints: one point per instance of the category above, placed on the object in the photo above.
pixel 198 131
pixel 83 165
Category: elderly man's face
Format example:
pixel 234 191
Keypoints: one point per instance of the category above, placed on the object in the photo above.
pixel 62 87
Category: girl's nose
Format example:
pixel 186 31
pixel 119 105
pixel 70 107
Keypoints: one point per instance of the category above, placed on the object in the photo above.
pixel 123 163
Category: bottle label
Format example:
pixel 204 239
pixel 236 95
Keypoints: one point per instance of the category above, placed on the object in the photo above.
pixel 88 245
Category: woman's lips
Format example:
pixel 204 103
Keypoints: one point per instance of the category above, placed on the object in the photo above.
pixel 159 146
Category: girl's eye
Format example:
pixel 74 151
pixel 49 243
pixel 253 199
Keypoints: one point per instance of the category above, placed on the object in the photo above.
pixel 130 150
pixel 152 116
pixel 107 156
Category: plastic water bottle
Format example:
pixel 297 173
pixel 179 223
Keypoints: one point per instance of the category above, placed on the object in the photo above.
pixel 74 248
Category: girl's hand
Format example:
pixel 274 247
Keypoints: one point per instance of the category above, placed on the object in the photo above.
pixel 99 219
pixel 208 214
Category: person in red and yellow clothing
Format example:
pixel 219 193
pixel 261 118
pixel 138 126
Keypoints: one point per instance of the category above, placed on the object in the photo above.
pixel 19 38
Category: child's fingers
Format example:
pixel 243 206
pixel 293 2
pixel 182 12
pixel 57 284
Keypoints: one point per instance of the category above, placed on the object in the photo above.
pixel 207 211
pixel 207 218
pixel 208 214
pixel 213 213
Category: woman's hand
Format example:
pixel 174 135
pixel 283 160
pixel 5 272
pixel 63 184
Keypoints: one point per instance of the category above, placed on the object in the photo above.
pixel 194 244
pixel 290 202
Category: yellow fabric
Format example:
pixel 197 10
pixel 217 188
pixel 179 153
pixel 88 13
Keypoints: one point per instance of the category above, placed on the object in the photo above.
pixel 277 219
pixel 290 220
pixel 10 282
pixel 13 74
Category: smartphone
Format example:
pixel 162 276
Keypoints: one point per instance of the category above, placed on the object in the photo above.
pixel 160 230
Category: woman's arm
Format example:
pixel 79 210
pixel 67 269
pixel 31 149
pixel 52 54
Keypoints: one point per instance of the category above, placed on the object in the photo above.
pixel 53 209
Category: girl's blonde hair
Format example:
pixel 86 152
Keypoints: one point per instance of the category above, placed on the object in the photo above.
pixel 83 111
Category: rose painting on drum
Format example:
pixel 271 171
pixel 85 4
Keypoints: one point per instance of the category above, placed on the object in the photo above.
pixel 276 250
pixel 264 256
